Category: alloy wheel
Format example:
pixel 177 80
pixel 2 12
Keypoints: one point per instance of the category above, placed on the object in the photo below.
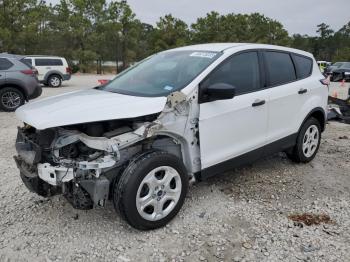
pixel 11 100
pixel 55 81
pixel 158 193
pixel 310 140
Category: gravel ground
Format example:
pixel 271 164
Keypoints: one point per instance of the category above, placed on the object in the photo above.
pixel 237 216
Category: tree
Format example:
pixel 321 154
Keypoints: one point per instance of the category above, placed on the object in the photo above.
pixel 170 32
pixel 94 31
pixel 324 31
pixel 254 28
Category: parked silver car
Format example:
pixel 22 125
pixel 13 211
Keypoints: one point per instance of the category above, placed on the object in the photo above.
pixel 18 82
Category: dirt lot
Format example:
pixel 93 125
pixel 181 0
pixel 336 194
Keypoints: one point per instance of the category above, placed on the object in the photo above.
pixel 243 215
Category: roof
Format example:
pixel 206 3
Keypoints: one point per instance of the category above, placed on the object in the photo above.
pixel 215 47
pixel 44 56
pixel 220 47
pixel 6 55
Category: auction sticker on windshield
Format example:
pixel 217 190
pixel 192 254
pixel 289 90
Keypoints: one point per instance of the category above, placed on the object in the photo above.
pixel 203 54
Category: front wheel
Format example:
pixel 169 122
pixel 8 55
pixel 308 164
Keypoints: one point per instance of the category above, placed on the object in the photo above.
pixel 151 190
pixel 308 142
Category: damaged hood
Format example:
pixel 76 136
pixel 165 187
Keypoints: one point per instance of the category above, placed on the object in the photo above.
pixel 87 106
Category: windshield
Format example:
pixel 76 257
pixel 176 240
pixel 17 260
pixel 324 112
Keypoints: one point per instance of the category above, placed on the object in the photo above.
pixel 337 64
pixel 345 65
pixel 161 74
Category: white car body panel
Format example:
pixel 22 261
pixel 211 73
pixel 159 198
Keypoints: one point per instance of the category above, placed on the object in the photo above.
pixel 87 106
pixel 283 118
pixel 229 128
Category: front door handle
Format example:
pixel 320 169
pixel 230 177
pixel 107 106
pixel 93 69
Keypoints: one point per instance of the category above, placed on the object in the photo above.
pixel 258 102
pixel 302 91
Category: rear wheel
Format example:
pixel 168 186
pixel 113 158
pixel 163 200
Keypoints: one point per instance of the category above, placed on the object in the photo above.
pixel 151 190
pixel 54 81
pixel 308 142
pixel 11 98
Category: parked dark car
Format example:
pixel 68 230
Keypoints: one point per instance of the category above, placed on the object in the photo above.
pixel 342 72
pixel 18 82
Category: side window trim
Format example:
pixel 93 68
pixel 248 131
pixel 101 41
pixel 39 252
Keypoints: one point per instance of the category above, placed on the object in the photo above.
pixel 261 70
pixel 268 85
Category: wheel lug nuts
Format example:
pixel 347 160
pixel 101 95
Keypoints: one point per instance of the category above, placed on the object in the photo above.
pixel 162 186
pixel 158 199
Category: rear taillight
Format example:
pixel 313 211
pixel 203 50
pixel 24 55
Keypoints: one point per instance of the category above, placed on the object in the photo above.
pixel 325 81
pixel 30 72
pixel 69 70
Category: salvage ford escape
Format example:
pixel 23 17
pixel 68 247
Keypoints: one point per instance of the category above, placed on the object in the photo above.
pixel 176 117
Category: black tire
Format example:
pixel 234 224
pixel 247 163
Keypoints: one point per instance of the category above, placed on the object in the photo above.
pixel 125 191
pixel 297 154
pixel 17 99
pixel 54 81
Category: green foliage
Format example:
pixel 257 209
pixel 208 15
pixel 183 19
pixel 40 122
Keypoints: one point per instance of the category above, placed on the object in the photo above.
pixel 254 28
pixel 171 32
pixel 90 32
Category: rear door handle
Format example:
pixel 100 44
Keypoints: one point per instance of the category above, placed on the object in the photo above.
pixel 258 102
pixel 302 91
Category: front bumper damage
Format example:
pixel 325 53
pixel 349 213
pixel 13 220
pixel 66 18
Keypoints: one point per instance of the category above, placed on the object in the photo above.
pixel 82 182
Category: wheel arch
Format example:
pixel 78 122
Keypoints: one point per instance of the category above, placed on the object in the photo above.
pixel 51 73
pixel 317 113
pixel 173 144
pixel 18 87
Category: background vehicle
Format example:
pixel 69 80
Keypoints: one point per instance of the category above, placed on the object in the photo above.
pixel 181 115
pixel 18 82
pixel 323 65
pixel 342 72
pixel 329 69
pixel 52 70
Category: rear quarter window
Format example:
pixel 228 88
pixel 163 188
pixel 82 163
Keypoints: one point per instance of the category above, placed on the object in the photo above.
pixel 48 62
pixel 303 66
pixel 5 64
pixel 280 67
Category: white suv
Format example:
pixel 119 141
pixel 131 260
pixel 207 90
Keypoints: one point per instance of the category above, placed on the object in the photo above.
pixel 52 70
pixel 178 116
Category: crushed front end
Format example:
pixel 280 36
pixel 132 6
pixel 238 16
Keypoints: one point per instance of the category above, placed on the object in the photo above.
pixel 66 161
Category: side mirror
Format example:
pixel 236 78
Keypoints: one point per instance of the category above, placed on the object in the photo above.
pixel 219 91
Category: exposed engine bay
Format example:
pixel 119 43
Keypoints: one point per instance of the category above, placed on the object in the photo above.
pixel 83 161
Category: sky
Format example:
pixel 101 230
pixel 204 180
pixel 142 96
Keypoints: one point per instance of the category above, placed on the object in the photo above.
pixel 297 16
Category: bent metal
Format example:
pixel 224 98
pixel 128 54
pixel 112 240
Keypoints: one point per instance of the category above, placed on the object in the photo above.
pixel 177 117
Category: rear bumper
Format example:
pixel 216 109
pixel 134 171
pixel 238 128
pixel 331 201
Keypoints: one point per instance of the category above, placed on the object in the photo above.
pixel 37 92
pixel 66 77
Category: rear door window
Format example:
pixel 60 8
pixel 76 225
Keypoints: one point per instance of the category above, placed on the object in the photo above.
pixel 5 64
pixel 303 66
pixel 280 68
pixel 48 62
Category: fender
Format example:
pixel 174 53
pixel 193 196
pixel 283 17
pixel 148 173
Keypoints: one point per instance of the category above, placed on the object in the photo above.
pixel 16 84
pixel 316 109
pixel 52 72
